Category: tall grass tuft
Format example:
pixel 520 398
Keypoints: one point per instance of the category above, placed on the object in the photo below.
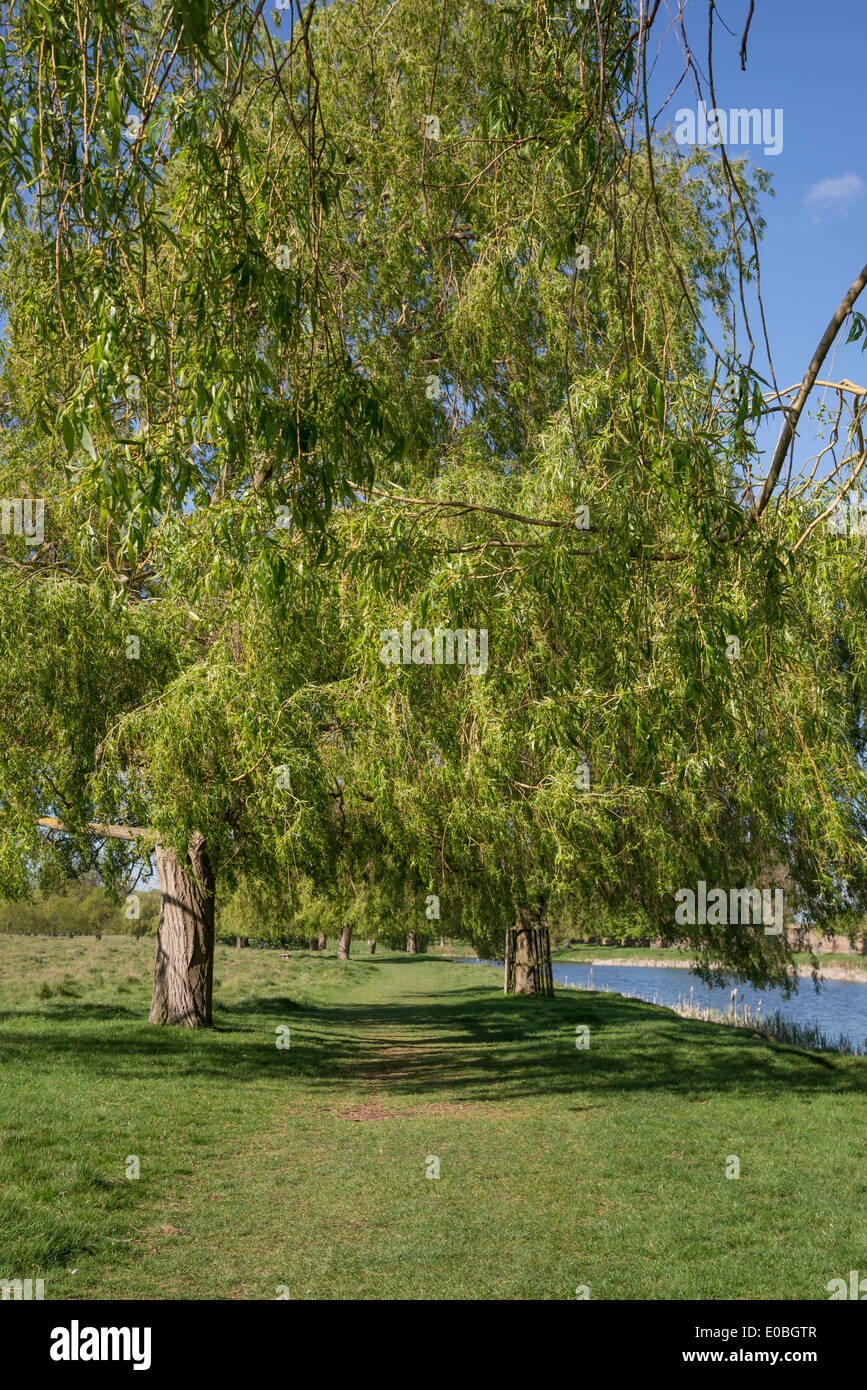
pixel 774 1025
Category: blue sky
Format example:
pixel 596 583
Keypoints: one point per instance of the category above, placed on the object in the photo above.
pixel 804 58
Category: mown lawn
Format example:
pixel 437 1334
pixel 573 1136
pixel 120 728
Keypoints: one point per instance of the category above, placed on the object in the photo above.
pixel 304 1167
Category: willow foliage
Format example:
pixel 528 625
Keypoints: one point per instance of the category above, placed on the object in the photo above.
pixel 394 316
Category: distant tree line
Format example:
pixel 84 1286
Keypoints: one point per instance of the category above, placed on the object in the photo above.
pixel 83 910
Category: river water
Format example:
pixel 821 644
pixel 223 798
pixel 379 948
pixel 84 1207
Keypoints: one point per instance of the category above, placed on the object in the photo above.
pixel 840 1007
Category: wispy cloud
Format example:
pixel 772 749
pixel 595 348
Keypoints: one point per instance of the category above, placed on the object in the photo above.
pixel 835 195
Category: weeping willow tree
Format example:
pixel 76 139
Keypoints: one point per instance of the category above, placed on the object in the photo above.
pixel 660 706
pixel 182 410
pixel 188 206
pixel 662 701
pixel 382 315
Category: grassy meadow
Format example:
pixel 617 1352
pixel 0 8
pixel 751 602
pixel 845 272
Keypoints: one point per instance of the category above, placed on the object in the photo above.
pixel 303 1168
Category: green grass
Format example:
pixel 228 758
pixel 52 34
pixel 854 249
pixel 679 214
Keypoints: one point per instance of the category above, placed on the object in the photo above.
pixel 582 952
pixel 305 1167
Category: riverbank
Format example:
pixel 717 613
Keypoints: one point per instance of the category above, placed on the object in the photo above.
pixel 835 970
pixel 825 1015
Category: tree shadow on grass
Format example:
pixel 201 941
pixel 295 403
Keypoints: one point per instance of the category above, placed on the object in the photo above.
pixel 485 1047
pixel 73 1012
pixel 472 1044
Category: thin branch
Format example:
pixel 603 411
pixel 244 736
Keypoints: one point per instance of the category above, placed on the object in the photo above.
pixel 744 39
pixel 787 433
pixel 431 503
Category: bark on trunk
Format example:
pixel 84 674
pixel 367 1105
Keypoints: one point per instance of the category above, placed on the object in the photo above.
pixel 372 947
pixel 323 941
pixel 184 966
pixel 411 943
pixel 241 941
pixel 343 944
pixel 527 970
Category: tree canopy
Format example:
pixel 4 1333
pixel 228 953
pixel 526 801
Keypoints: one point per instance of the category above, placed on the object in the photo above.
pixel 394 320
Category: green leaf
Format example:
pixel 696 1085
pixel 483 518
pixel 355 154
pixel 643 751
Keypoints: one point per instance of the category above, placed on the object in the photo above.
pixel 87 443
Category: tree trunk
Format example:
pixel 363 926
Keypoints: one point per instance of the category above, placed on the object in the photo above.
pixel 343 944
pixel 531 955
pixel 314 943
pixel 323 941
pixel 372 947
pixel 411 943
pixel 525 969
pixel 184 966
pixel 241 941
